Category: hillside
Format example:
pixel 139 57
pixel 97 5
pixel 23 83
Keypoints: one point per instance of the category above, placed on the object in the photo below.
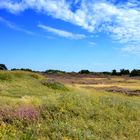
pixel 37 107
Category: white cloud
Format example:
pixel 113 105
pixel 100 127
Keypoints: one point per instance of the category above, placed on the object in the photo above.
pixel 14 27
pixel 92 43
pixel 134 49
pixel 121 21
pixel 13 7
pixel 61 33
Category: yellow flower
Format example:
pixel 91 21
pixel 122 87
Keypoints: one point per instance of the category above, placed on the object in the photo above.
pixel 65 138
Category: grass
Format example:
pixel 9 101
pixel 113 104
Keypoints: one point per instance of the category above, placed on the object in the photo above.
pixel 30 110
pixel 51 83
pixel 122 82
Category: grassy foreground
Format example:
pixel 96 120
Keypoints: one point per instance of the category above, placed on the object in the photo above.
pixel 31 109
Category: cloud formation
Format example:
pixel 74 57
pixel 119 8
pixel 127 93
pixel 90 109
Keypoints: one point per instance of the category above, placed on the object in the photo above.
pixel 14 27
pixel 119 19
pixel 62 33
pixel 132 49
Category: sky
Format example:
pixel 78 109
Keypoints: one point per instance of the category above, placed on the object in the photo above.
pixel 70 35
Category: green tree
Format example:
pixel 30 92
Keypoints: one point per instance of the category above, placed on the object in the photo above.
pixel 3 67
pixel 124 72
pixel 135 72
pixel 114 72
pixel 84 72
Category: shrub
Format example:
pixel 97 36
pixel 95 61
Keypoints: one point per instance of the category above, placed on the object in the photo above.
pixel 22 69
pixel 22 113
pixel 135 72
pixel 55 71
pixel 51 83
pixel 114 72
pixel 124 72
pixel 84 72
pixel 3 67
pixel 106 73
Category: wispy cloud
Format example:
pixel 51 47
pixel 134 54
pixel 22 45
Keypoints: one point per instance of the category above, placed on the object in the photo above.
pixel 92 43
pixel 12 6
pixel 14 27
pixel 121 21
pixel 131 49
pixel 62 33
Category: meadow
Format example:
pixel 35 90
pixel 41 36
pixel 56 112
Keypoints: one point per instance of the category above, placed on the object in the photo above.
pixel 34 106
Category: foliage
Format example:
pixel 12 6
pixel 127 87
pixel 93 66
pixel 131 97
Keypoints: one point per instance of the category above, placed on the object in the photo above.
pixel 51 83
pixel 124 72
pixel 114 72
pixel 31 111
pixel 22 69
pixel 121 72
pixel 135 72
pixel 55 71
pixel 106 73
pixel 3 67
pixel 84 72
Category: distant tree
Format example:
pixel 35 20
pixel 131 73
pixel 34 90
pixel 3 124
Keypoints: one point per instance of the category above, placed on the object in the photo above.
pixel 124 72
pixel 114 72
pixel 84 72
pixel 135 72
pixel 22 69
pixel 54 71
pixel 106 73
pixel 3 67
pixel 25 69
pixel 14 69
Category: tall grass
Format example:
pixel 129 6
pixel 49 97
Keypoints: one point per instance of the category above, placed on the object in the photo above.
pixel 9 75
pixel 31 111
pixel 5 76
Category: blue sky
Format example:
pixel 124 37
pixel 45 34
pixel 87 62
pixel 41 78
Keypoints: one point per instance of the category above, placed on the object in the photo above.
pixel 70 34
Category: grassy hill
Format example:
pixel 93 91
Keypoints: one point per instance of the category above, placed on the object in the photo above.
pixel 33 107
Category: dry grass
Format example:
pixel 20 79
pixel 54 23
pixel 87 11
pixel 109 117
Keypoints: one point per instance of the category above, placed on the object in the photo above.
pixel 30 110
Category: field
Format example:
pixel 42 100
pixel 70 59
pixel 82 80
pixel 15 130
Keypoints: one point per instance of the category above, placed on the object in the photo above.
pixel 68 107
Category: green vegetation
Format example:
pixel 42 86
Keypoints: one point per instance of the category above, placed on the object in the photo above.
pixel 3 67
pixel 51 83
pixel 55 71
pixel 122 72
pixel 85 72
pixel 22 69
pixel 34 108
pixel 135 72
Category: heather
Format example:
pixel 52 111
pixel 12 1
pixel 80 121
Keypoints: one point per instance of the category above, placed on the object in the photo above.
pixel 37 107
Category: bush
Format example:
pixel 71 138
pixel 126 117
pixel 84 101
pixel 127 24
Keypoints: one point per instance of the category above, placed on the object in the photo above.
pixel 106 73
pixel 84 72
pixel 124 72
pixel 114 72
pixel 51 83
pixel 54 71
pixel 3 67
pixel 135 72
pixel 22 69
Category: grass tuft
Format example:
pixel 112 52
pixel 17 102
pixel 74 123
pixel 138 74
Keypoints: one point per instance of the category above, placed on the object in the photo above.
pixel 50 83
pixel 5 76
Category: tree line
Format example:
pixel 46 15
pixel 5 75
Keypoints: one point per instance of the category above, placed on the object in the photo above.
pixel 134 72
